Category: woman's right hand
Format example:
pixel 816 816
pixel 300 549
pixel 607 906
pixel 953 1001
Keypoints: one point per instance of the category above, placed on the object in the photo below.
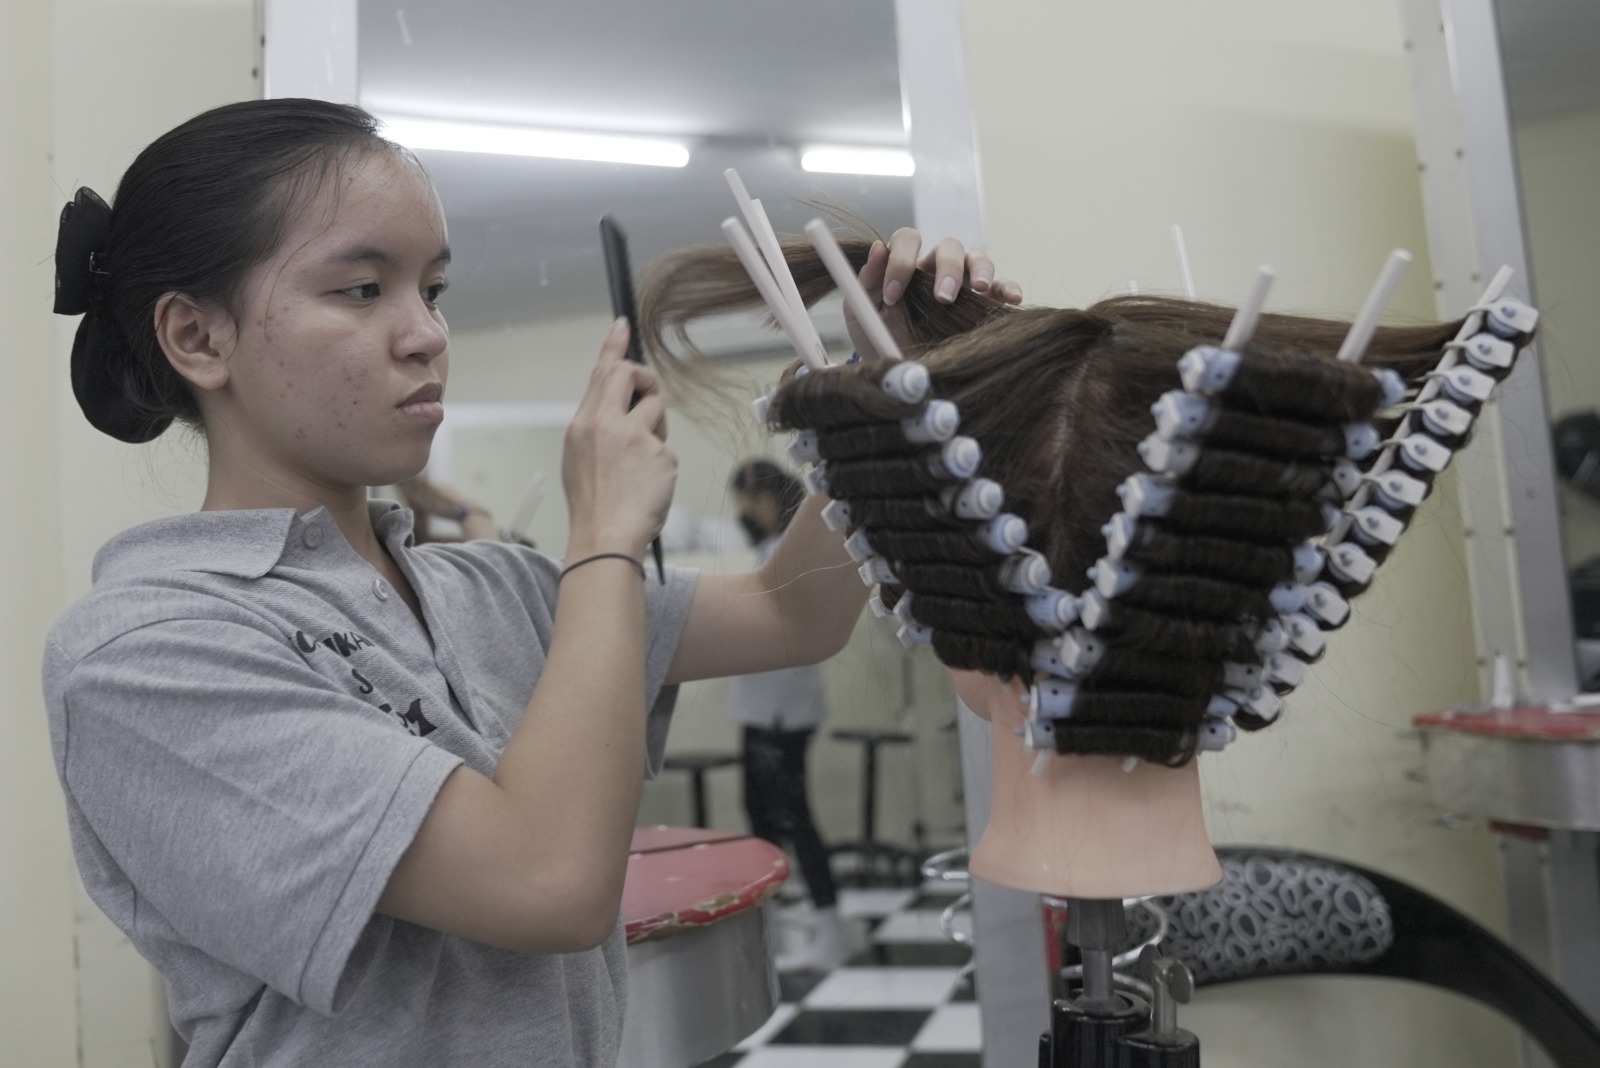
pixel 616 468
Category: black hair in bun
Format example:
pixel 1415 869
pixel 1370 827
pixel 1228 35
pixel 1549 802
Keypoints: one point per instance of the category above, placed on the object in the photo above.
pixel 198 208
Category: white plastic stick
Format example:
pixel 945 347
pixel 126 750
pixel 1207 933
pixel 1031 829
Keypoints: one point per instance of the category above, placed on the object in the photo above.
pixel 1361 331
pixel 757 269
pixel 856 297
pixel 767 240
pixel 1244 320
pixel 1183 261
pixel 1497 285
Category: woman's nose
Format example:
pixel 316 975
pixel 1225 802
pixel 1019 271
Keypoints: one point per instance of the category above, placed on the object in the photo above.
pixel 422 334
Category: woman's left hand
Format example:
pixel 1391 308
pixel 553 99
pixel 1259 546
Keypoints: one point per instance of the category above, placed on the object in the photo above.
pixel 889 268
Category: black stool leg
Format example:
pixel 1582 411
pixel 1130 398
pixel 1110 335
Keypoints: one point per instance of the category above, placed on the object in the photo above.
pixel 698 788
pixel 869 795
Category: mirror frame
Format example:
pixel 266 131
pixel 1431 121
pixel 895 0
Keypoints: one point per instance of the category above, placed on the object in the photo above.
pixel 1473 206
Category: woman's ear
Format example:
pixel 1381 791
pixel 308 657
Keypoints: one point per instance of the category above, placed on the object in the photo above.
pixel 196 338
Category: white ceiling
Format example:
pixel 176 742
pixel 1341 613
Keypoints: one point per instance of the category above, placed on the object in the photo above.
pixel 744 82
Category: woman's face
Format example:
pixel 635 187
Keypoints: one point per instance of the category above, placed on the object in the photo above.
pixel 337 368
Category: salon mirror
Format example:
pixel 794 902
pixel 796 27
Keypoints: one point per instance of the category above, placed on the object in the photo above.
pixel 1553 93
pixel 683 92
pixel 705 87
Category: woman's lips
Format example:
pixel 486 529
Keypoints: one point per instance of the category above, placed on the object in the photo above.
pixel 431 411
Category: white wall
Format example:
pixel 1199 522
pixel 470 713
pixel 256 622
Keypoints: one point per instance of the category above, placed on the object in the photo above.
pixel 1274 132
pixel 38 1024
pixel 94 82
pixel 1557 161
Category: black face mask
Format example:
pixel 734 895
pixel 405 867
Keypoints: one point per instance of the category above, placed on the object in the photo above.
pixel 753 528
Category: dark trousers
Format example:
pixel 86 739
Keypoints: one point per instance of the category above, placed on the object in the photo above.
pixel 775 801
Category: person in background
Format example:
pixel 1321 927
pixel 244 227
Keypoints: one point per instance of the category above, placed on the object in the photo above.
pixel 780 712
pixel 429 499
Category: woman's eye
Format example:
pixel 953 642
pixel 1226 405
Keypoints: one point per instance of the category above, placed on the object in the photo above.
pixel 434 292
pixel 365 291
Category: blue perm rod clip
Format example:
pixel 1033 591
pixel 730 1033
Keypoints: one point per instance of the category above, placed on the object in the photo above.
pixel 1444 418
pixel 1510 318
pixel 1349 562
pixel 1051 698
pixel 1215 735
pixel 1208 369
pixel 1004 534
pixel 906 382
pixel 1465 384
pixel 1052 610
pixel 1025 572
pixel 1147 495
pixel 1488 353
pixel 876 572
pixel 982 498
pixel 938 422
pixel 912 635
pixel 957 459
pixel 1359 440
pixel 1113 578
pixel 1181 414
pixel 1305 635
pixel 1397 490
pixel 803 449
pixel 1168 457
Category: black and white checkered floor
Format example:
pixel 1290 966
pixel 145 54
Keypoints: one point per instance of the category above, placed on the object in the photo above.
pixel 899 1002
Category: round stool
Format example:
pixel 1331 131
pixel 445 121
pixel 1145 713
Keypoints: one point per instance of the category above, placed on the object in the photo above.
pixel 697 764
pixel 878 862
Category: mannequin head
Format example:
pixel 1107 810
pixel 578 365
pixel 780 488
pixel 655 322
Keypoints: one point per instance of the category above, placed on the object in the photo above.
pixel 1058 400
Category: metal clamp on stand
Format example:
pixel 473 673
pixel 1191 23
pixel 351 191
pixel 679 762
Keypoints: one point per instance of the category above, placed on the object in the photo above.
pixel 1106 1028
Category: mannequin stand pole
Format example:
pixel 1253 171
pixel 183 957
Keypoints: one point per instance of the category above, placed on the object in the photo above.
pixel 1105 1028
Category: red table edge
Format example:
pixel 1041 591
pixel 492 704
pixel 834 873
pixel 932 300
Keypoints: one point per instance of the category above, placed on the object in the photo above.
pixel 720 905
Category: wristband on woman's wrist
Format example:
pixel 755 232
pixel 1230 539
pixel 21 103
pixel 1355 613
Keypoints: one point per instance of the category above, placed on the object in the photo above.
pixel 568 569
pixel 462 511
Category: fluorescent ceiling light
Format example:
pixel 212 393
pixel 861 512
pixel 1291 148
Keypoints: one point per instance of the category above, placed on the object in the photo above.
pixel 840 159
pixel 527 141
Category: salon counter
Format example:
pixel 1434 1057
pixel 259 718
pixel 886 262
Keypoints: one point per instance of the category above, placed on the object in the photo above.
pixel 700 974
pixel 1526 766
pixel 1534 774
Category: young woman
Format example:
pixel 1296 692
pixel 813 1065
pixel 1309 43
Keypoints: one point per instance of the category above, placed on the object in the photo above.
pixel 363 801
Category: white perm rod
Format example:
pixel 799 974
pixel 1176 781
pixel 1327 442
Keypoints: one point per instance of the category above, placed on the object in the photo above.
pixel 1249 313
pixel 756 268
pixel 1361 331
pixel 845 278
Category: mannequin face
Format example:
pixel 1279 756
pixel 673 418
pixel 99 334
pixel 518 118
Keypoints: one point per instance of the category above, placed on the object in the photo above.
pixel 1083 826
pixel 335 369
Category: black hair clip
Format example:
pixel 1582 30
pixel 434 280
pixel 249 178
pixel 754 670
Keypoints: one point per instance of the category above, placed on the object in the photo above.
pixel 80 259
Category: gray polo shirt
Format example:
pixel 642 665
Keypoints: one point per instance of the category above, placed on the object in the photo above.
pixel 250 726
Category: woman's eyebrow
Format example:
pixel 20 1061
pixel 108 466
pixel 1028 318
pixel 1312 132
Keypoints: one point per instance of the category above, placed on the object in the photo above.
pixel 374 254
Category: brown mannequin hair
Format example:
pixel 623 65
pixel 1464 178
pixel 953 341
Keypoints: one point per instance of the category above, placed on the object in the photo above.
pixel 1058 400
